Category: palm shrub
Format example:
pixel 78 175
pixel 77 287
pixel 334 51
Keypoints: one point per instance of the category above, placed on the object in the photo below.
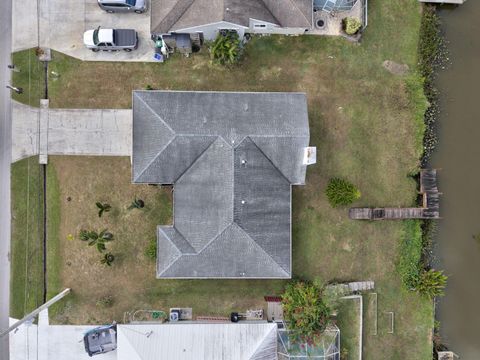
pixel 351 25
pixel 107 259
pixel 226 48
pixel 97 239
pixel 305 310
pixel 103 207
pixel 341 192
pixel 137 204
pixel 431 283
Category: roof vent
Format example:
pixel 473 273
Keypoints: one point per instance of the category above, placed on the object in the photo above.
pixel 309 155
pixel 243 162
pixel 243 202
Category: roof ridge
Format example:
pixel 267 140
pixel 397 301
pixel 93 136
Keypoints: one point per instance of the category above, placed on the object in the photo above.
pixel 262 249
pixel 268 158
pixel 155 157
pixel 169 21
pixel 296 7
pixel 128 339
pixel 183 237
pixel 168 127
pixel 201 154
pixel 159 228
pixel 300 11
pixel 273 16
pixel 254 356
pixel 153 112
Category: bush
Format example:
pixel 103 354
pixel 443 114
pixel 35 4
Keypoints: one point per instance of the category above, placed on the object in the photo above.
pixel 151 250
pixel 341 192
pixel 226 48
pixel 409 263
pixel 305 310
pixel 431 283
pixel 411 266
pixel 351 25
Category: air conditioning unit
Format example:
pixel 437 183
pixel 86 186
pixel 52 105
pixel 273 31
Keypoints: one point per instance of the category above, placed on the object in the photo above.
pixel 174 315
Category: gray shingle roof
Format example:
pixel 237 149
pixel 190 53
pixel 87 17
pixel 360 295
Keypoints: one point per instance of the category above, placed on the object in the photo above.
pixel 232 158
pixel 172 15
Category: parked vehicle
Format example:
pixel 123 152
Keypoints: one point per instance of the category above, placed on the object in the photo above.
pixel 110 39
pixel 113 6
pixel 100 340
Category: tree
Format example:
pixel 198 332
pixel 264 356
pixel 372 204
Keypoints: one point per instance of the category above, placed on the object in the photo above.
pixel 431 283
pixel 341 192
pixel 305 311
pixel 107 259
pixel 98 239
pixel 103 207
pixel 226 48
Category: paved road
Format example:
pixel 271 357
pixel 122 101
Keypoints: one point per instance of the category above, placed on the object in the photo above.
pixel 5 157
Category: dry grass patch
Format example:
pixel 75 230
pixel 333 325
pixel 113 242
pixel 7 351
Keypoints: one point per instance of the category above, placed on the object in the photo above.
pixel 130 282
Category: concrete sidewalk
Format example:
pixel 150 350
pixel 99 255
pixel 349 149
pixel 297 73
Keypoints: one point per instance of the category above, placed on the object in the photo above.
pixel 103 132
pixel 60 24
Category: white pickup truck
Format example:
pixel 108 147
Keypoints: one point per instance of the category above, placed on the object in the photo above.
pixel 110 39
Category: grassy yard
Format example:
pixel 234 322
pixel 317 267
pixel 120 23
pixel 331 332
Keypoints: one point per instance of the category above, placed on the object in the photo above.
pixel 364 122
pixel 348 322
pixel 130 282
pixel 27 285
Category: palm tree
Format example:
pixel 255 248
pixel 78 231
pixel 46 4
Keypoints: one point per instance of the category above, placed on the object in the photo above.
pixel 98 239
pixel 103 207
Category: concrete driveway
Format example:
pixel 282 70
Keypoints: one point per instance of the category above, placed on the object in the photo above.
pixel 60 24
pixel 102 132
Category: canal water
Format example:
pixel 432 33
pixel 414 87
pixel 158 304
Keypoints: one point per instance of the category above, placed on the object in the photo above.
pixel 458 154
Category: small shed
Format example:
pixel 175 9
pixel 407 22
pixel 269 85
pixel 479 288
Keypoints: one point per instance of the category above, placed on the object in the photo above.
pixel 274 308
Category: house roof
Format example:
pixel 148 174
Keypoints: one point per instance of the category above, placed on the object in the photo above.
pixel 185 341
pixel 173 15
pixel 253 341
pixel 233 158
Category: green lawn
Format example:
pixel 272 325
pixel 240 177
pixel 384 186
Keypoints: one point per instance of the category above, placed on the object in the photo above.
pixel 348 321
pixel 365 123
pixel 27 285
pixel 30 77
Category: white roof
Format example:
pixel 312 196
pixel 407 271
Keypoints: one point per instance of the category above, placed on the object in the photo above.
pixel 51 342
pixel 198 341
pixel 182 341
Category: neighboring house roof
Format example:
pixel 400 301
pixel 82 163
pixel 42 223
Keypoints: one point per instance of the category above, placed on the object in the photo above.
pixel 253 341
pixel 233 158
pixel 185 341
pixel 172 15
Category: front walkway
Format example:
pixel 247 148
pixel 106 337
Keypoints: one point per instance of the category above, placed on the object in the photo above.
pixel 43 131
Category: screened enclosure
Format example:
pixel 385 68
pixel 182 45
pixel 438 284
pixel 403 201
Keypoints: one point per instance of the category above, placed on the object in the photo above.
pixel 327 347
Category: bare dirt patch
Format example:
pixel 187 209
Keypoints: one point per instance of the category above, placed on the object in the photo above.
pixel 395 68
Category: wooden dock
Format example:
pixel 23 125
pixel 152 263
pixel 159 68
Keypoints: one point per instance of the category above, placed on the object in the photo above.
pixel 430 208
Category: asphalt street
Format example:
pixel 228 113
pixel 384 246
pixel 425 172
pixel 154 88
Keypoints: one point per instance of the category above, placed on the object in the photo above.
pixel 5 160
